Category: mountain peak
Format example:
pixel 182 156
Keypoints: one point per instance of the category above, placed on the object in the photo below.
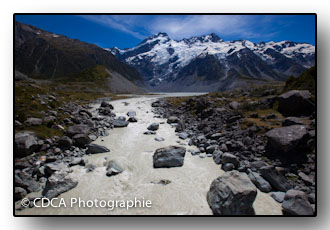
pixel 212 37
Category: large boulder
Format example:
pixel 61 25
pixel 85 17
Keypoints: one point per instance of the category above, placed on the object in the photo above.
pixel 58 183
pixel 286 139
pixel 25 143
pixel 275 178
pixel 232 194
pixel 153 126
pixel 296 103
pixel 94 148
pixel 119 123
pixel 296 203
pixel 78 129
pixel 171 156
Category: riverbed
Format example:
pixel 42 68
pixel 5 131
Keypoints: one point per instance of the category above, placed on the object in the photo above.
pixel 184 195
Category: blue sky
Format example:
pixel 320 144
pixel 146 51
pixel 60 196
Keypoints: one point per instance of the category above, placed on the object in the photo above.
pixel 125 31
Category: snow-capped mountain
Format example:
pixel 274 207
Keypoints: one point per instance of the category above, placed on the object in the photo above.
pixel 209 63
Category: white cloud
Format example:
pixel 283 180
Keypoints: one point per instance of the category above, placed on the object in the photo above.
pixel 186 26
pixel 117 22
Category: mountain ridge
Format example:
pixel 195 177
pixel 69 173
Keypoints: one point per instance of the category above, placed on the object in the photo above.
pixel 42 54
pixel 163 61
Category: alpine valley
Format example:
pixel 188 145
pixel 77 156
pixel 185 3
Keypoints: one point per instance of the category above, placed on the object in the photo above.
pixel 208 63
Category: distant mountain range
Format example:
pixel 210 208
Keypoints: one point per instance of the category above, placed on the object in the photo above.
pixel 208 63
pixel 158 63
pixel 44 55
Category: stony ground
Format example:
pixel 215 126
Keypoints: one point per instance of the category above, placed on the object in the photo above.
pixel 263 138
pixel 267 134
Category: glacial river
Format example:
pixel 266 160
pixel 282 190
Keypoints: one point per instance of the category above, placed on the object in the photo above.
pixel 185 195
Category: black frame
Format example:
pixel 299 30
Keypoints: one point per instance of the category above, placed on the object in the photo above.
pixel 13 198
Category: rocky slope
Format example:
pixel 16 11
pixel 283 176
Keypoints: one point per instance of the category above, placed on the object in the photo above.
pixel 44 55
pixel 266 134
pixel 208 63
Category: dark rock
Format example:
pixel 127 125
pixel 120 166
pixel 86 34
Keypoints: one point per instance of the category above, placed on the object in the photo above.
pixel 106 105
pixel 153 126
pixel 207 113
pixel 210 149
pixel 183 135
pixel 50 168
pixel 254 115
pixel 232 194
pixel 271 116
pixel 275 178
pixel 195 152
pixel 77 161
pixel 296 103
pixel 94 148
pixel 64 142
pixel 57 184
pixel 132 119
pixel 230 158
pixel 256 165
pixel 20 193
pixel 84 111
pixel 278 196
pixel 217 154
pixel 78 129
pixel 227 167
pixel 25 143
pixel 173 119
pixel 292 121
pixel 223 147
pixel 311 198
pixel 113 168
pixel 171 156
pixel 120 123
pixel 260 182
pixel 307 180
pixel 233 119
pixel 288 138
pixel 81 140
pixel 164 182
pixel 25 181
pixel 296 203
pixel 22 165
pixel 149 132
pixel 106 111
